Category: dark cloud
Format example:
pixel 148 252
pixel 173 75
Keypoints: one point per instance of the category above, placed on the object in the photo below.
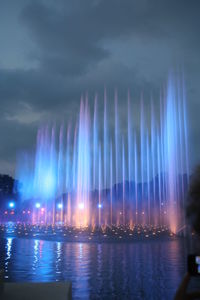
pixel 73 39
pixel 68 43
pixel 52 51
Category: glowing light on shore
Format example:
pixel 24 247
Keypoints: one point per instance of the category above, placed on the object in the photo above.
pixel 11 204
pixel 60 205
pixel 81 206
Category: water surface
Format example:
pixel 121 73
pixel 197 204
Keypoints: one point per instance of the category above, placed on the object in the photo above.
pixel 139 270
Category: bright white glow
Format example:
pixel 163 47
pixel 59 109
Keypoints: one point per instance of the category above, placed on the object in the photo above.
pixel 37 205
pixel 60 206
pixel 81 205
pixel 11 204
pixel 99 205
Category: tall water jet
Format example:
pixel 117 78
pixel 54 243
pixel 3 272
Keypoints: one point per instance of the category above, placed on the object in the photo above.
pixel 82 211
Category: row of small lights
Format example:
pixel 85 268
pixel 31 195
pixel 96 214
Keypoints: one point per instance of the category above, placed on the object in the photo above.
pixel 91 235
pixel 59 205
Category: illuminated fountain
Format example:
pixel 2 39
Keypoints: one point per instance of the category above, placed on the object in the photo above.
pixel 97 172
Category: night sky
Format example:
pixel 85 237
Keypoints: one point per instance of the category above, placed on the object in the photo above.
pixel 53 51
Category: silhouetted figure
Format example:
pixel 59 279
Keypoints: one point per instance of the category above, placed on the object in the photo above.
pixel 193 215
pixel 193 206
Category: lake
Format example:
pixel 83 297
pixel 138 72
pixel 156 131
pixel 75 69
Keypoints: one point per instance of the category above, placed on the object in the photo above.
pixel 138 270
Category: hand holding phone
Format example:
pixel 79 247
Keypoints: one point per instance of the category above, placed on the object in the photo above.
pixel 194 265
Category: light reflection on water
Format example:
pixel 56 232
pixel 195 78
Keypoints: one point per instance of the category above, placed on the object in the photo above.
pixel 140 270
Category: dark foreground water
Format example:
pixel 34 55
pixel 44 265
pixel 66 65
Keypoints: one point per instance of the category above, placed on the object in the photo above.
pixel 139 270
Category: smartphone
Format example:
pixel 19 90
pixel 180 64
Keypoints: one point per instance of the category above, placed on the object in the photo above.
pixel 194 265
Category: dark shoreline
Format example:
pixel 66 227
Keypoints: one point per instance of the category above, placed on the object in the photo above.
pixel 94 241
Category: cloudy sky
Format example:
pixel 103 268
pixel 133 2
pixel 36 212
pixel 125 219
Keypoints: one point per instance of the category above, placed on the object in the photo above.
pixel 53 50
